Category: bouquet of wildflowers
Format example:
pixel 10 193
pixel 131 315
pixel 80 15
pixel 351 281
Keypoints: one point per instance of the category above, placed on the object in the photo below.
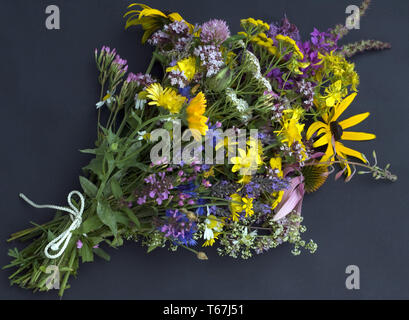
pixel 216 150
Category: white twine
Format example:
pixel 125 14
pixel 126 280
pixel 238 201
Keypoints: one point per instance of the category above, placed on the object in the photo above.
pixel 63 238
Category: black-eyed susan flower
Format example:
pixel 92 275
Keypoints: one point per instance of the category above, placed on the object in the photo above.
pixel 150 19
pixel 330 132
pixel 167 98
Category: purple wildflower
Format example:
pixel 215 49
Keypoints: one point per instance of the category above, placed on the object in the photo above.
pixel 142 80
pixel 177 78
pixel 306 89
pixel 175 34
pixel 177 27
pixel 158 187
pixel 120 64
pixel 277 75
pixel 285 28
pixel 211 59
pixel 324 40
pixel 179 228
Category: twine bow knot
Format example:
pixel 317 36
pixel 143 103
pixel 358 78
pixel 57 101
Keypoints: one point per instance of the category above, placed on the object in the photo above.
pixel 64 238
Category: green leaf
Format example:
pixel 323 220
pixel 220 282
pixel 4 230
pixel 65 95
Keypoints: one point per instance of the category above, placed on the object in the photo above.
pixel 86 252
pixel 89 188
pixel 116 189
pixel 107 217
pixel 89 151
pixel 95 166
pixel 50 235
pixel 109 157
pixel 102 254
pixel 117 242
pixel 132 150
pixel 152 247
pixel 91 224
pixel 121 218
pixel 131 215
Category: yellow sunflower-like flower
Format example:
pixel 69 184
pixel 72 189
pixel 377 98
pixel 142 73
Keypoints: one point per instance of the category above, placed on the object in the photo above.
pixel 166 98
pixel 330 132
pixel 187 66
pixel 195 118
pixel 150 19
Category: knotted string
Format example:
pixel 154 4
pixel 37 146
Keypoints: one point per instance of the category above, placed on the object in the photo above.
pixel 63 238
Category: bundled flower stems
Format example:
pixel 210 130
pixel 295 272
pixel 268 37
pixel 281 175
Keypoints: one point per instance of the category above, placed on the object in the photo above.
pixel 217 151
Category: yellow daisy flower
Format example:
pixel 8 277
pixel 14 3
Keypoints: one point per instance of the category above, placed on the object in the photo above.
pixel 166 98
pixel 331 131
pixel 195 118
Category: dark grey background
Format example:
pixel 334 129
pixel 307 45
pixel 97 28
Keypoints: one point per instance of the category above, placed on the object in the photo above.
pixel 48 92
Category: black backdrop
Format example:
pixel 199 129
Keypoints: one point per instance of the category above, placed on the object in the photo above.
pixel 48 92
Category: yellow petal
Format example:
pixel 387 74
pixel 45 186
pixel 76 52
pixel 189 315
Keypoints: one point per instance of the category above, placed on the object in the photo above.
pixel 330 101
pixel 342 106
pixel 314 127
pixel 175 16
pixel 151 12
pixel 352 121
pixel 350 152
pixel 328 153
pixel 322 141
pixel 357 136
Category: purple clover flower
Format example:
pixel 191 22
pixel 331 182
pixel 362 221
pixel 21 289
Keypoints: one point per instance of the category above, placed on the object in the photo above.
pixel 215 32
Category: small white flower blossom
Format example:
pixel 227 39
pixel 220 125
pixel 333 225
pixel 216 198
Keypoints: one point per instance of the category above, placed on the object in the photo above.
pixel 240 104
pixel 139 103
pixel 108 99
pixel 252 65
